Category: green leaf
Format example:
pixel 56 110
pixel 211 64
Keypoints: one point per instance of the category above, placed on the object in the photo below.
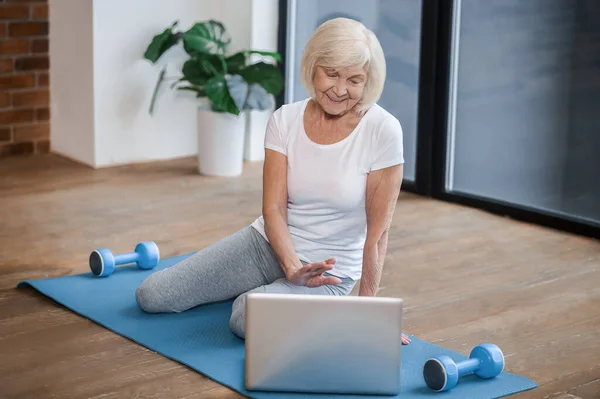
pixel 200 92
pixel 266 75
pixel 236 62
pixel 201 67
pixel 276 56
pixel 206 37
pixel 218 93
pixel 161 43
pixel 239 60
pixel 248 96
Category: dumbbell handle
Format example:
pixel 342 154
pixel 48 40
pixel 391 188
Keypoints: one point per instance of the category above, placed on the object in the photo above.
pixel 468 366
pixel 127 258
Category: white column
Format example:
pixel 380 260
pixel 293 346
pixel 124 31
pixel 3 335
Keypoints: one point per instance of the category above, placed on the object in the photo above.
pixel 71 40
pixel 264 27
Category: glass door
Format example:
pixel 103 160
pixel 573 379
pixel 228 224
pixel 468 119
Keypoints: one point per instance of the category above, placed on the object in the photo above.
pixel 522 125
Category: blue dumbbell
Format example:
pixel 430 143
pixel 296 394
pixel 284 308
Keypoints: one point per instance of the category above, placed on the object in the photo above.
pixel 442 373
pixel 103 262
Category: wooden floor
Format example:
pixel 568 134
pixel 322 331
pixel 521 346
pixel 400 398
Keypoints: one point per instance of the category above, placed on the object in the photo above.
pixel 466 276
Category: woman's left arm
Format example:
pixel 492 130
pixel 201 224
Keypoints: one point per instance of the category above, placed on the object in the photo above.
pixel 383 188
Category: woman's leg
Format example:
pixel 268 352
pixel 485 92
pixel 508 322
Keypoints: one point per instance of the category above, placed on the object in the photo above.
pixel 282 286
pixel 224 270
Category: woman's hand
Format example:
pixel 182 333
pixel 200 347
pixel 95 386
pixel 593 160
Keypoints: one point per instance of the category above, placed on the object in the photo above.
pixel 311 275
pixel 405 339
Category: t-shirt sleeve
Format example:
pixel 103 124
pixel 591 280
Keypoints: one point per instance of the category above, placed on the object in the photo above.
pixel 274 135
pixel 389 147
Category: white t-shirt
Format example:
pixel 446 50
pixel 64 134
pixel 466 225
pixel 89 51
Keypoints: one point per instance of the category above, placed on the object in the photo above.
pixel 327 183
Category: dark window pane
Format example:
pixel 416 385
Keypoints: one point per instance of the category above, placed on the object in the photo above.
pixel 525 104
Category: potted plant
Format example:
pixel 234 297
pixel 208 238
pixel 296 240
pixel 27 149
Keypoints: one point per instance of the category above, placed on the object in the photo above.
pixel 230 84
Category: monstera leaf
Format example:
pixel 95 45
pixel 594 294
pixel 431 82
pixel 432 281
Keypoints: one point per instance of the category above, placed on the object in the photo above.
pixel 206 37
pixel 199 92
pixel 266 75
pixel 218 94
pixel 161 43
pixel 239 60
pixel 247 96
pixel 201 67
pixel 236 62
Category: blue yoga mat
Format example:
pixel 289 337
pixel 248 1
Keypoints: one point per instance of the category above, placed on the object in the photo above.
pixel 201 339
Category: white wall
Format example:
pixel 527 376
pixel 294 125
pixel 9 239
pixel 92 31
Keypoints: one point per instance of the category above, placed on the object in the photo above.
pixel 235 15
pixel 124 81
pixel 71 79
pixel 100 99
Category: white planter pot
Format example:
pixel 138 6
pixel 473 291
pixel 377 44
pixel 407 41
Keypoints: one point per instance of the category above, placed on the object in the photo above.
pixel 220 143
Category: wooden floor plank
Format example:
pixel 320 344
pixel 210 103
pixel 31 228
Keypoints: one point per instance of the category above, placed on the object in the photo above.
pixel 467 277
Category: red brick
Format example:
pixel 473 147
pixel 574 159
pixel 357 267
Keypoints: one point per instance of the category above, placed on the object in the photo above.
pixel 42 114
pixel 6 65
pixel 38 131
pixel 4 99
pixel 16 149
pixel 32 63
pixel 39 11
pixel 22 29
pixel 43 80
pixel 42 146
pixel 5 134
pixel 39 46
pixel 14 11
pixel 2 29
pixel 18 46
pixel 9 116
pixel 39 98
pixel 17 81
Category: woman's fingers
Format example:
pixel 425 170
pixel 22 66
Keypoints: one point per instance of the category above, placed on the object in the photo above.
pixel 325 263
pixel 318 281
pixel 314 273
pixel 331 280
pixel 319 267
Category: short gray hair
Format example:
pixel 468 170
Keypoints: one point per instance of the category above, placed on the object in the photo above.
pixel 343 43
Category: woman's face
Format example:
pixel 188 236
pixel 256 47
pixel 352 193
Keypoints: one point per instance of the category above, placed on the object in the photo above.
pixel 339 90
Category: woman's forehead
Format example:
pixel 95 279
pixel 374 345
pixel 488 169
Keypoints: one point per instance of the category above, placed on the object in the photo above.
pixel 349 70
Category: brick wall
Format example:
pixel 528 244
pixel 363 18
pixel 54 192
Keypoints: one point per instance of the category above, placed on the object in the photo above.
pixel 24 94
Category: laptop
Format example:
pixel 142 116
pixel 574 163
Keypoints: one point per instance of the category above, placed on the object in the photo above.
pixel 323 344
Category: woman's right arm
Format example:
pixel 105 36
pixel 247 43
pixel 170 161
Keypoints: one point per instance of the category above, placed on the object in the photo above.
pixel 274 210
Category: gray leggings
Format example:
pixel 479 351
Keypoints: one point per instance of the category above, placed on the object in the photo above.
pixel 230 268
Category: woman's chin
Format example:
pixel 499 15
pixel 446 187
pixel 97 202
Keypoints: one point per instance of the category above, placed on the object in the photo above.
pixel 334 108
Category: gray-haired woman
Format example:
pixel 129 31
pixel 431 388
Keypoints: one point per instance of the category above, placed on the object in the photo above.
pixel 332 174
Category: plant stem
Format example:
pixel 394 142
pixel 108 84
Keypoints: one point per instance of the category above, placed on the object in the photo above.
pixel 223 64
pixel 161 77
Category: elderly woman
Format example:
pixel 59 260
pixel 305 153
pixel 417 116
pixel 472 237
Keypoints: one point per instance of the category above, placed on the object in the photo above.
pixel 332 174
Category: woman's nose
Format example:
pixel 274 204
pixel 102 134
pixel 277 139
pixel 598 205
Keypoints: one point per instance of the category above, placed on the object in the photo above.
pixel 340 89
